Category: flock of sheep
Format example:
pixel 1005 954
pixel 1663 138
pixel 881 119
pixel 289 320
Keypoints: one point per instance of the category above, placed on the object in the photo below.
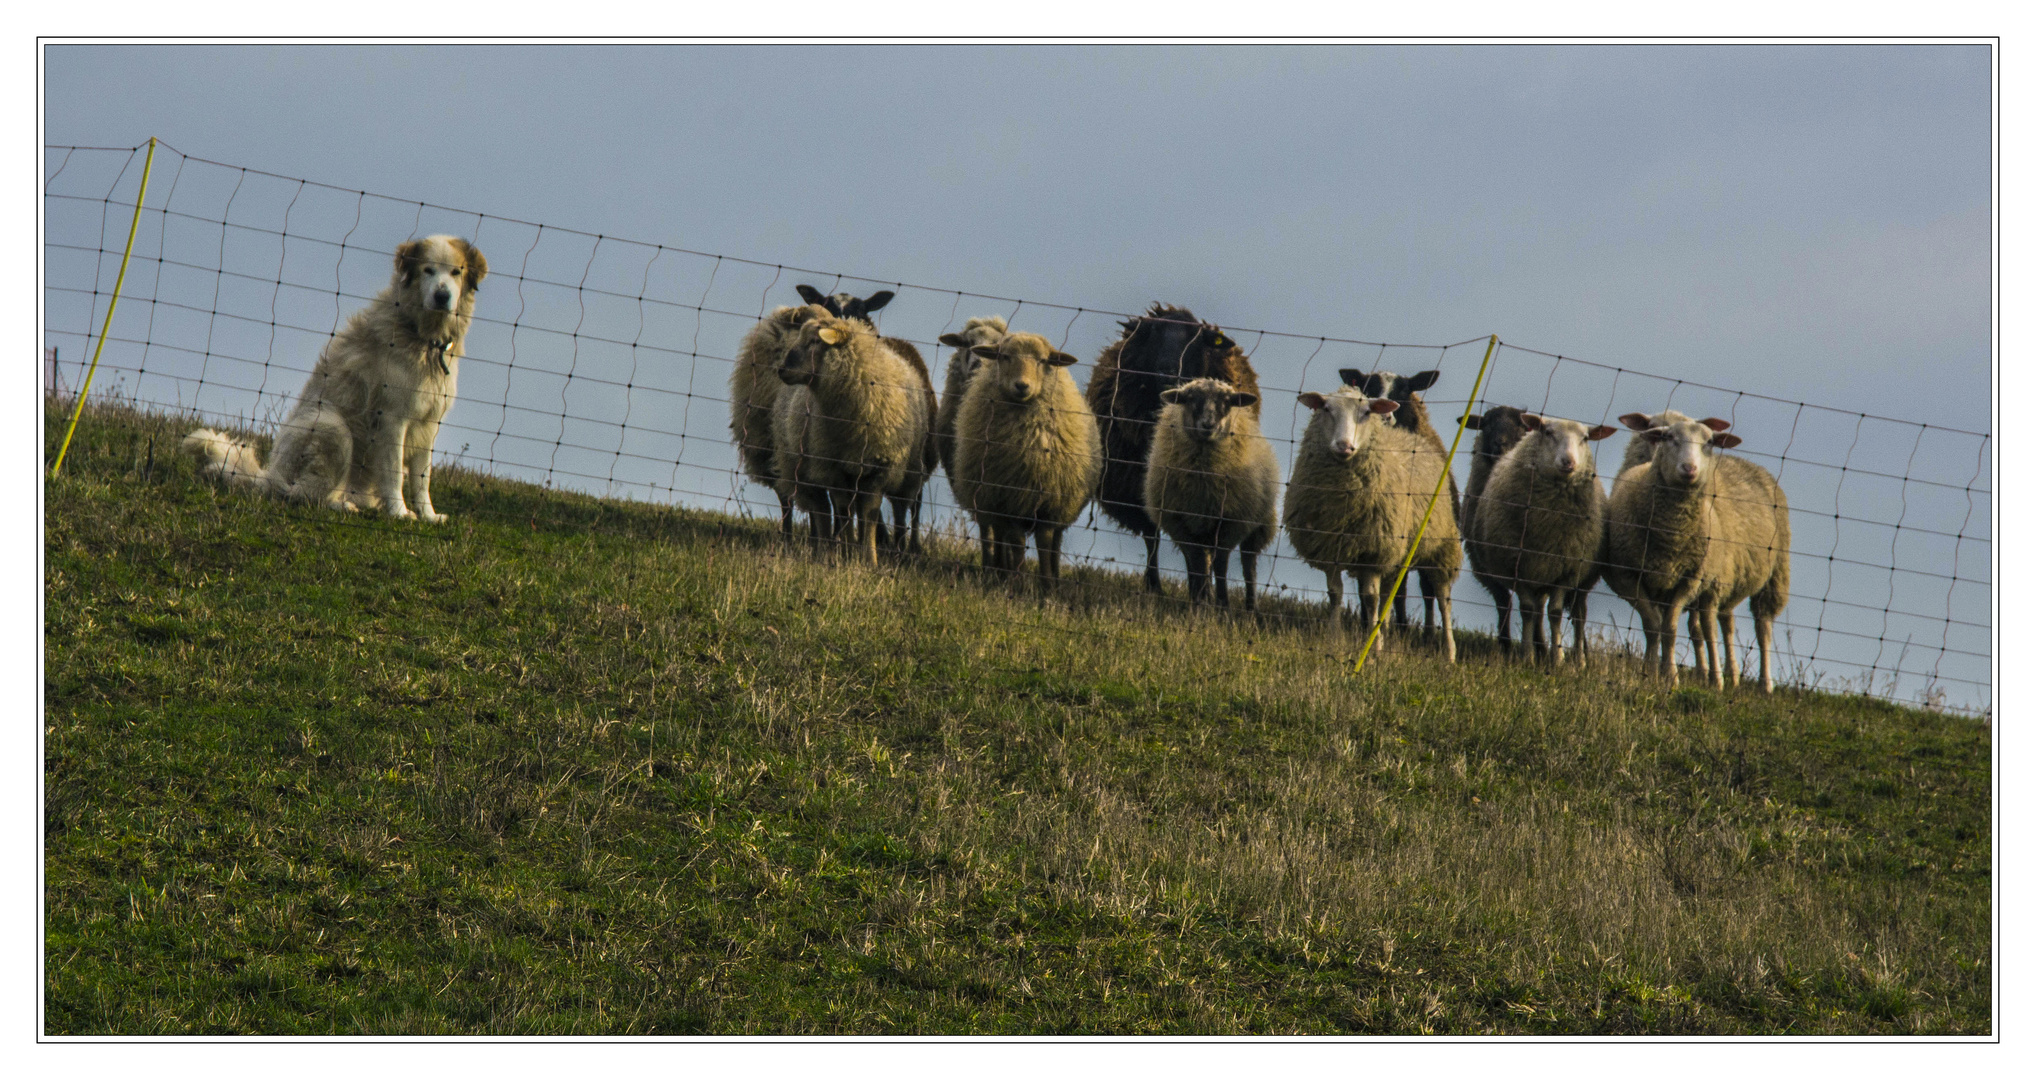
pixel 835 419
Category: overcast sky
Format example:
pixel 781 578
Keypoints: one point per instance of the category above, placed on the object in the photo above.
pixel 1807 222
pixel 1810 221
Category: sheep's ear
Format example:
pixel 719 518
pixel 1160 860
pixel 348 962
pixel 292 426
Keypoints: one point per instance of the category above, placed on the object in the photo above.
pixel 1653 434
pixel 812 295
pixel 1602 431
pixel 1243 400
pixel 833 335
pixel 1384 405
pixel 1350 376
pixel 955 340
pixel 1171 397
pixel 1475 423
pixel 1636 421
pixel 877 300
pixel 1530 421
pixel 477 263
pixel 1715 424
pixel 1422 380
pixel 983 352
pixel 1725 441
pixel 1061 359
pixel 1313 400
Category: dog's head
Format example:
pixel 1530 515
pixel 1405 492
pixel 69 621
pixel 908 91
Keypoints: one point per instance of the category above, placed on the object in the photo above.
pixel 439 274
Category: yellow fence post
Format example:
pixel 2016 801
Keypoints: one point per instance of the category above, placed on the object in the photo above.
pixel 1386 601
pixel 146 164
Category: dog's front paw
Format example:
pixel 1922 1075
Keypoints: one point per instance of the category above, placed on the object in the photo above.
pixel 399 512
pixel 431 517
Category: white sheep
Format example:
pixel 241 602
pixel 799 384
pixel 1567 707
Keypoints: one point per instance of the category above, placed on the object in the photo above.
pixel 1539 524
pixel 1355 500
pixel 983 330
pixel 1639 450
pixel 753 390
pixel 849 429
pixel 1027 455
pixel 1691 528
pixel 1212 484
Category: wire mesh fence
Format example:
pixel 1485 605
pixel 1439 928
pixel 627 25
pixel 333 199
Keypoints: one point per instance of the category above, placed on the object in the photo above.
pixel 601 365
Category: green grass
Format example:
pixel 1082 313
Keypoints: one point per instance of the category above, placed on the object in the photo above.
pixel 567 766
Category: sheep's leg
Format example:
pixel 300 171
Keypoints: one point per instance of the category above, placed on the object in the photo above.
pixel 1335 590
pixel 1400 608
pixel 1049 555
pixel 1650 629
pixel 1430 589
pixel 785 509
pixel 1219 558
pixel 1249 560
pixel 1152 563
pixel 1697 640
pixel 1706 616
pixel 820 527
pixel 1555 601
pixel 1371 613
pixel 1531 625
pixel 1502 600
pixel 1728 648
pixel 1763 634
pixel 1670 611
pixel 900 507
pixel 1579 606
pixel 1198 572
pixel 872 521
pixel 917 548
pixel 1448 631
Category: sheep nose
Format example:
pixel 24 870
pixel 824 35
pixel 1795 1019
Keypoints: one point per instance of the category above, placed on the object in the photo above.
pixel 1567 465
pixel 1343 447
pixel 1689 471
pixel 1023 388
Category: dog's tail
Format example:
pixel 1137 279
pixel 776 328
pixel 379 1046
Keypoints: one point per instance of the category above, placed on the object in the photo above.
pixel 223 457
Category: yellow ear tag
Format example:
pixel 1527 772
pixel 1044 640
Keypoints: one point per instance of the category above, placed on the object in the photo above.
pixel 832 336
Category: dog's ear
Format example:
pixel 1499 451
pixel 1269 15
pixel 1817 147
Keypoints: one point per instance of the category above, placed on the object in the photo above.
pixel 409 253
pixel 477 263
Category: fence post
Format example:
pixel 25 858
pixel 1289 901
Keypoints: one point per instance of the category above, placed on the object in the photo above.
pixel 1386 601
pixel 105 324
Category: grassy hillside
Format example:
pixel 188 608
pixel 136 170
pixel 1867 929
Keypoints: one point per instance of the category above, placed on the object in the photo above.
pixel 569 766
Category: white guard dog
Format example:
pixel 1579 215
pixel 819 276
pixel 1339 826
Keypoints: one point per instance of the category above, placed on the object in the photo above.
pixel 370 411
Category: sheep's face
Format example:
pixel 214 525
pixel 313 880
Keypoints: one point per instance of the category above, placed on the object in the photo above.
pixel 819 335
pixel 1561 447
pixel 1397 388
pixel 1021 364
pixel 976 333
pixel 1684 450
pixel 1205 406
pixel 843 305
pixel 1348 417
pixel 1171 341
pixel 1499 430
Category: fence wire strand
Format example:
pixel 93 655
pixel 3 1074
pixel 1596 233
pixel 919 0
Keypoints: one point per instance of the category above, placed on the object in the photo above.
pixel 588 381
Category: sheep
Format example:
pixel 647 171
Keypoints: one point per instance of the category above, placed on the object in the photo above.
pixel 1212 483
pixel 1163 348
pixel 1689 528
pixel 1539 525
pixel 1027 454
pixel 909 494
pixel 1355 500
pixel 754 388
pixel 984 330
pixel 1639 450
pixel 1499 430
pixel 849 428
pixel 1412 415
